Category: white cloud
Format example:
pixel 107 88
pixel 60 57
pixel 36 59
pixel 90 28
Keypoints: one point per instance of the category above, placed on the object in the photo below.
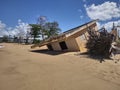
pixel 81 17
pixel 2 26
pixel 79 10
pixel 84 0
pixel 105 11
pixel 20 30
pixel 2 29
pixel 99 25
pixel 109 25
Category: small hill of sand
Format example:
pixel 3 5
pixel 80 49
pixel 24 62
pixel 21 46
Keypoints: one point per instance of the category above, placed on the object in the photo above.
pixel 22 68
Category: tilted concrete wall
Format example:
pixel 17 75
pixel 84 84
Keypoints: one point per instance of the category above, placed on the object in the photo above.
pixel 72 44
pixel 56 46
pixel 81 43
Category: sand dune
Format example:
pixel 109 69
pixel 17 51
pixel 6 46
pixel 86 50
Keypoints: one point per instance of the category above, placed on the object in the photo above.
pixel 22 68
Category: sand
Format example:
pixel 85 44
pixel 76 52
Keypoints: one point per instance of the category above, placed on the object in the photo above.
pixel 22 68
pixel 1 46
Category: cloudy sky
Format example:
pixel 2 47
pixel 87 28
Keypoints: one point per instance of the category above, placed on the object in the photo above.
pixel 15 15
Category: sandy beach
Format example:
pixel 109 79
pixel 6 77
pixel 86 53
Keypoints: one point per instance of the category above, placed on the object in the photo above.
pixel 23 68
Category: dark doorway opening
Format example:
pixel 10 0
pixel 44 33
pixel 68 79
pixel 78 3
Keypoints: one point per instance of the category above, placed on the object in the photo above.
pixel 50 47
pixel 63 45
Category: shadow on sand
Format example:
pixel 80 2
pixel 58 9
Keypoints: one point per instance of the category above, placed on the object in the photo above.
pixel 46 51
pixel 86 55
pixel 99 58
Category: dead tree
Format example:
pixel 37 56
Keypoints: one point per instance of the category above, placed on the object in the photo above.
pixel 99 42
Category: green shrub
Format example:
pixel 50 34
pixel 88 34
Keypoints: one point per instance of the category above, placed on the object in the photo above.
pixel 36 41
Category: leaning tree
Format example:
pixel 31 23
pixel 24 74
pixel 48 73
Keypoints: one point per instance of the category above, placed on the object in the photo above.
pixel 99 42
